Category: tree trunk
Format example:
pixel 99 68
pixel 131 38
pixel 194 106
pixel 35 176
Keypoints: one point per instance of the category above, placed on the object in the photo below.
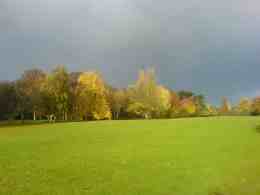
pixel 65 116
pixel 114 115
pixel 118 114
pixel 34 115
pixel 22 117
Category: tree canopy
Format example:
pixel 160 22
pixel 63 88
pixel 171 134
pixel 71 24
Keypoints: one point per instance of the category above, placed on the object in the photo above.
pixel 62 95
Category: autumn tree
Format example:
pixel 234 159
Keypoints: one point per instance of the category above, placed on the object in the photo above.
pixel 255 108
pixel 187 103
pixel 142 95
pixel 84 95
pixel 29 86
pixel 187 107
pixel 163 103
pixel 73 84
pixel 225 107
pixel 117 99
pixel 147 99
pixel 244 106
pixel 175 104
pixel 211 110
pixel 91 97
pixel 57 86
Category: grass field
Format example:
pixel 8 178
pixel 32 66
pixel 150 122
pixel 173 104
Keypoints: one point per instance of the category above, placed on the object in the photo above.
pixel 202 156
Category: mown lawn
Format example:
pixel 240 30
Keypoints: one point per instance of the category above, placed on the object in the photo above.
pixel 202 156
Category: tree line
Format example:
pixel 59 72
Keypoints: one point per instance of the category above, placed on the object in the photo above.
pixel 63 95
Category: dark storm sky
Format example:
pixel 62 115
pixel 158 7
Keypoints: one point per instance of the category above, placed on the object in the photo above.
pixel 208 46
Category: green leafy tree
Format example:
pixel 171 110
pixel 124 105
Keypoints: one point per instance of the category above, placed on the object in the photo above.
pixel 8 100
pixel 200 104
pixel 185 94
pixel 23 105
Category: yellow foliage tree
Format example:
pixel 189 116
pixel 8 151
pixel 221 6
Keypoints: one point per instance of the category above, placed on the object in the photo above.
pixel 188 106
pixel 118 100
pixel 255 109
pixel 56 89
pixel 91 97
pixel 225 107
pixel 163 98
pixel 147 99
pixel 211 110
pixel 244 106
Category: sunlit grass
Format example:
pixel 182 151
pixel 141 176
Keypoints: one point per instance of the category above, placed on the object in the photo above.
pixel 203 156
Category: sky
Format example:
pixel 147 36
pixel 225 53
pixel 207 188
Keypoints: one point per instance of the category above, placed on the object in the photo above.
pixel 208 46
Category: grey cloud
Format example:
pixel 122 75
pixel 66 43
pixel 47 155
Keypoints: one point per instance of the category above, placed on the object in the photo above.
pixel 206 46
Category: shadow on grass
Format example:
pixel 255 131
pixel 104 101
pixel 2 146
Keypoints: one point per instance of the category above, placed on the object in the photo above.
pixel 216 192
pixel 257 128
pixel 15 123
pixel 21 123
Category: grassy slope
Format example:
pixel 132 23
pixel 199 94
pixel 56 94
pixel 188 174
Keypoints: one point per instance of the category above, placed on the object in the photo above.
pixel 199 156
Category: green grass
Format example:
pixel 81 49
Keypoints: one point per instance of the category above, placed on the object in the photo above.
pixel 202 156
